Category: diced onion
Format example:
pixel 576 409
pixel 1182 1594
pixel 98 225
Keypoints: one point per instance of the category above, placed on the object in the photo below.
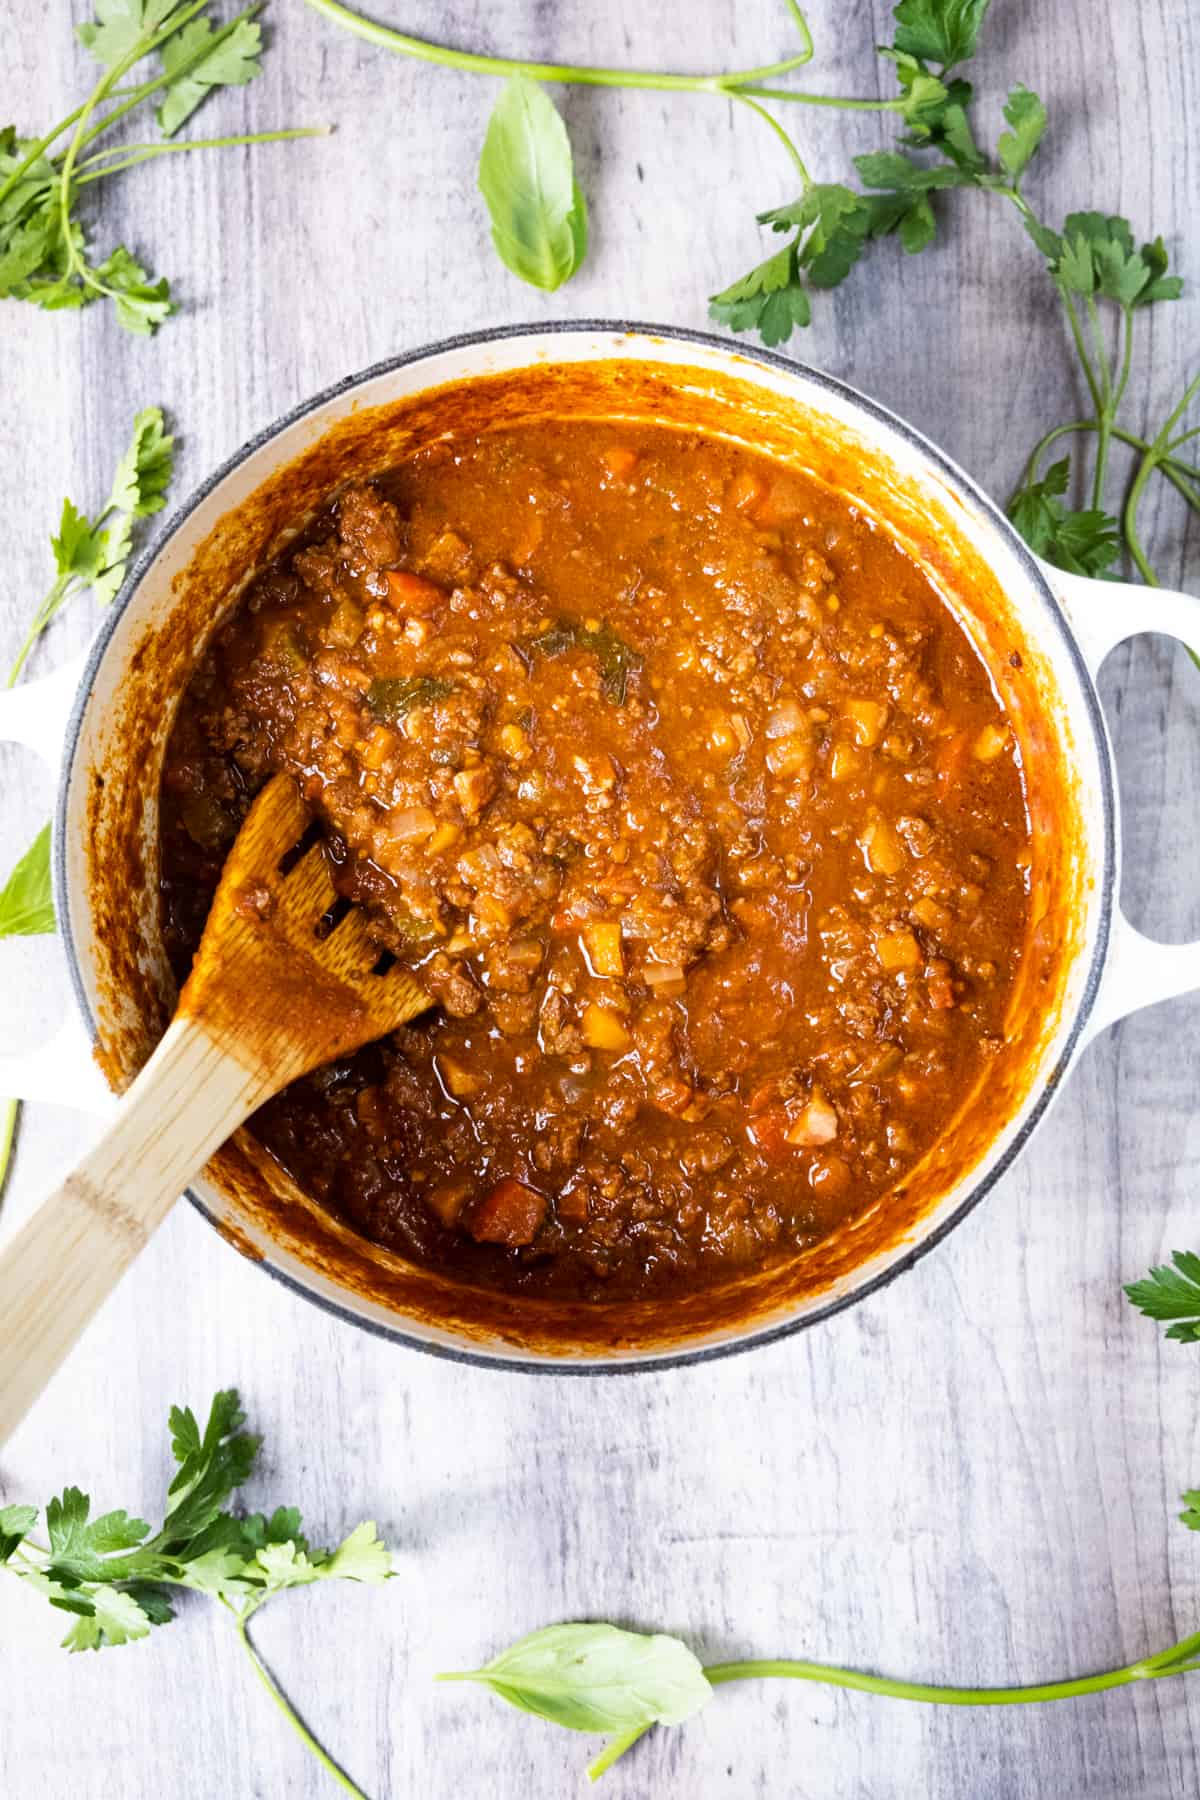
pixel 410 822
pixel 785 720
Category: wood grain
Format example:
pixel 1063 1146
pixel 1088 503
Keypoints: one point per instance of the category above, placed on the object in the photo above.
pixel 971 1476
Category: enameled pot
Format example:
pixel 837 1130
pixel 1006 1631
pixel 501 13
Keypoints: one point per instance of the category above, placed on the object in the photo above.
pixel 1044 634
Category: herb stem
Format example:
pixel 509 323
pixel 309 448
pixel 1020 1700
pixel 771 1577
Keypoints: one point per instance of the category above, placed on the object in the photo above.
pixel 38 149
pixel 614 1750
pixel 129 155
pixel 46 609
pixel 830 1676
pixel 848 102
pixel 1172 466
pixel 1153 457
pixel 1081 348
pixel 573 74
pixel 1114 391
pixel 780 133
pixel 241 1620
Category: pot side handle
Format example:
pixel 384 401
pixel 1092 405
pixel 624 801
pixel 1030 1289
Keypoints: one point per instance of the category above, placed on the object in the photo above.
pixel 1104 614
pixel 62 1071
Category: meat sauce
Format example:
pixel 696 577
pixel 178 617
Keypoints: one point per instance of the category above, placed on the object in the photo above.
pixel 696 809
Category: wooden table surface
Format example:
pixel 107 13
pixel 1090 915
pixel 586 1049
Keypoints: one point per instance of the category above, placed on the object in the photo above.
pixel 972 1476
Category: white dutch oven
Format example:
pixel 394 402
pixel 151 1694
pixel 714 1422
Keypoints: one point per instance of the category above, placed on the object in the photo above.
pixel 78 720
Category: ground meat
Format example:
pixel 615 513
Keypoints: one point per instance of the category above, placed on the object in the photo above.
pixel 693 807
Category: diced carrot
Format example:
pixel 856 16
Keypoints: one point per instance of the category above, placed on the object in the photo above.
pixel 602 947
pixel 867 717
pixel 412 593
pixel 746 491
pixel 512 1213
pixel 767 1129
pixel 898 950
pixel 990 744
pixel 444 838
pixel 604 1029
pixel 620 461
pixel 462 1082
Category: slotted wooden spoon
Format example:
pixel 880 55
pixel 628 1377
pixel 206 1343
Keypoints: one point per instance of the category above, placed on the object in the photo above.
pixel 268 1000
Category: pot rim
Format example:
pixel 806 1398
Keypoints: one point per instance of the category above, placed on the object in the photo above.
pixel 930 454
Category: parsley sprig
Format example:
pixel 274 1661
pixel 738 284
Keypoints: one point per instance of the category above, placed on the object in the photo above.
pixel 1103 277
pixel 44 253
pixel 89 554
pixel 1172 1292
pixel 116 1578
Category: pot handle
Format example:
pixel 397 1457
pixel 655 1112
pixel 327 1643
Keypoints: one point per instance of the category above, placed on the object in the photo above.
pixel 63 1071
pixel 1102 615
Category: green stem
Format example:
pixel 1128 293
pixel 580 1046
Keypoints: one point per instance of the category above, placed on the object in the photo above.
pixel 8 1132
pixel 241 1620
pixel 848 102
pixel 38 149
pixel 1172 467
pixel 47 607
pixel 1081 348
pixel 924 1691
pixel 614 1750
pixel 1113 395
pixel 781 134
pixel 571 73
pixel 1153 457
pixel 129 155
pixel 1178 1660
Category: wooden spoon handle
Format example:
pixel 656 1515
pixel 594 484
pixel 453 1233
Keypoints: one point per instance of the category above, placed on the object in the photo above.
pixel 66 1260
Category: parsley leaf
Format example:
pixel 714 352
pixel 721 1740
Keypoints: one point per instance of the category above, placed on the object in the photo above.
pixel 1027 117
pixel 1086 542
pixel 120 25
pixel 141 302
pixel 26 905
pixel 1095 254
pixel 199 59
pixel 901 173
pixel 940 31
pixel 16 1522
pixel 1173 1292
pixel 526 177
pixel 1191 1509
pixel 771 299
pixel 94 552
pixel 143 474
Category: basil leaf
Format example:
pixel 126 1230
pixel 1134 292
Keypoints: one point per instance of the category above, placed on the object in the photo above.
pixel 390 697
pixel 597 1678
pixel 26 907
pixel 526 176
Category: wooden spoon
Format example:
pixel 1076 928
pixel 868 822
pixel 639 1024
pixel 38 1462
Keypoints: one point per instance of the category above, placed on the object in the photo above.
pixel 268 999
